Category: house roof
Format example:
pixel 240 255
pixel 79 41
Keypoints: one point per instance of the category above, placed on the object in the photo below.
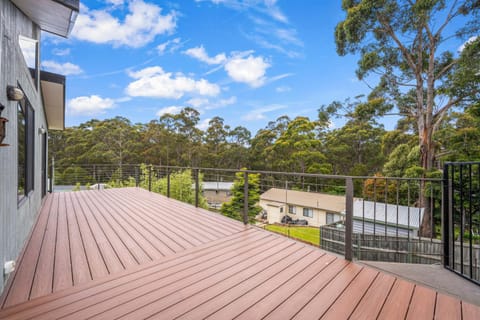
pixel 316 200
pixel 395 214
pixel 53 95
pixel 214 185
pixel 54 16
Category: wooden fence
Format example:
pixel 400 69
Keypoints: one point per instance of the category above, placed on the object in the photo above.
pixel 398 249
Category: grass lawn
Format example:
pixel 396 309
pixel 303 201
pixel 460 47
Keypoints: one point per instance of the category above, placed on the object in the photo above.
pixel 307 234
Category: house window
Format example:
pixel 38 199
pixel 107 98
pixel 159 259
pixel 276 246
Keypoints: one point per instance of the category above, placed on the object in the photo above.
pixel 308 212
pixel 29 48
pixel 292 209
pixel 26 148
pixel 281 209
pixel 330 218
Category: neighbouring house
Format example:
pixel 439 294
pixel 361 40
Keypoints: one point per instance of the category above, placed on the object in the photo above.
pixel 32 102
pixel 321 209
pixel 217 193
pixel 317 208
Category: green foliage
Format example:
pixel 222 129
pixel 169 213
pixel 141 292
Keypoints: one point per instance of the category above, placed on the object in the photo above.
pixel 234 208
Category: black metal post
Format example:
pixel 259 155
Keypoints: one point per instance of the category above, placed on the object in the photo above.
pixel 150 178
pixel 349 219
pixel 197 185
pixel 446 216
pixel 137 178
pixel 168 183
pixel 245 197
pixel 52 177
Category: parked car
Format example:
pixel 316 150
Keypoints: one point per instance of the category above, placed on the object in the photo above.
pixel 286 219
pixel 301 222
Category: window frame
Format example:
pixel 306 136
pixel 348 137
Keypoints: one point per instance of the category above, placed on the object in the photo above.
pixel 292 209
pixel 25 181
pixel 308 210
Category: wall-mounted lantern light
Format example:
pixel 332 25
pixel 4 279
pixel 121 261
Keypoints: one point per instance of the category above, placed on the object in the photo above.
pixel 14 93
pixel 2 127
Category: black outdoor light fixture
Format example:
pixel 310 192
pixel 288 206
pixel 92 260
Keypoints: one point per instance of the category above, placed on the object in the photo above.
pixel 2 127
pixel 14 93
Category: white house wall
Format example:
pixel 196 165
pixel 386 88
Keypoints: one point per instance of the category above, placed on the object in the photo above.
pixel 274 215
pixel 16 219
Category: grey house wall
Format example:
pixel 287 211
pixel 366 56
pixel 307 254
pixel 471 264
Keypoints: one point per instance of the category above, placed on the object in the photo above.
pixel 16 219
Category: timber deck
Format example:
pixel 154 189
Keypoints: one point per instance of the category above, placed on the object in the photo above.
pixel 131 254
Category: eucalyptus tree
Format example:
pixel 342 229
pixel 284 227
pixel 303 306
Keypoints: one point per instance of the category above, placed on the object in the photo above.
pixel 404 42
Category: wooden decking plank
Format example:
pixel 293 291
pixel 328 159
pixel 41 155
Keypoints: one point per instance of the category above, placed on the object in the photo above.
pixel 137 303
pixel 106 249
pixel 43 280
pixel 118 244
pixel 19 289
pixel 343 307
pixel 80 269
pixel 213 223
pixel 135 231
pixel 158 239
pixel 155 223
pixel 325 297
pixel 470 311
pixel 321 277
pixel 268 299
pixel 238 298
pixel 99 299
pixel 97 265
pixel 240 283
pixel 372 302
pixel 422 305
pixel 447 308
pixel 188 229
pixel 63 277
pixel 80 296
pixel 108 214
pixel 398 301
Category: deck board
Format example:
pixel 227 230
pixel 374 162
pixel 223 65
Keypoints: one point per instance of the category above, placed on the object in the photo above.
pixel 131 254
pixel 396 305
pixel 80 269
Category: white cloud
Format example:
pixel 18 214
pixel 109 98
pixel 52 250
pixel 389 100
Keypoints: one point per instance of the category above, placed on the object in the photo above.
pixel 116 2
pixel 259 114
pixel 210 105
pixel 268 7
pixel 198 102
pixel 170 46
pixel 250 70
pixel 92 105
pixel 141 25
pixel 470 40
pixel 282 89
pixel 203 125
pixel 170 110
pixel 61 52
pixel 154 82
pixel 61 68
pixel 200 54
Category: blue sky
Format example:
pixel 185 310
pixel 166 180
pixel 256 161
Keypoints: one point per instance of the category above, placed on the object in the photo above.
pixel 248 62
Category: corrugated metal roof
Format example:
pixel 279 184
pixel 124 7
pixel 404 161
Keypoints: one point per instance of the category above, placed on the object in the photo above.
pixel 390 213
pixel 214 185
